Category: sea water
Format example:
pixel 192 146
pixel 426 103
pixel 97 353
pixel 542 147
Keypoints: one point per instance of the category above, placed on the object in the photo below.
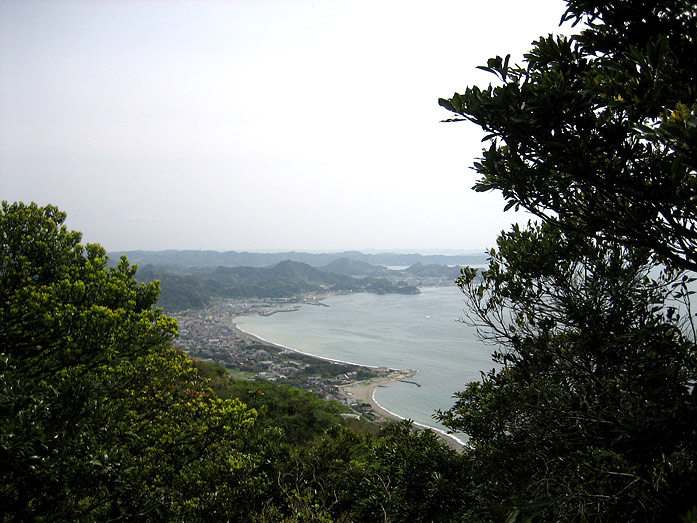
pixel 423 332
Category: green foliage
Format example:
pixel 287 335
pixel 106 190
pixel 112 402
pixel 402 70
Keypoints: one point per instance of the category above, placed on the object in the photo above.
pixel 327 472
pixel 690 516
pixel 179 292
pixel 401 476
pixel 591 412
pixel 101 418
pixel 593 398
pixel 598 132
pixel 300 415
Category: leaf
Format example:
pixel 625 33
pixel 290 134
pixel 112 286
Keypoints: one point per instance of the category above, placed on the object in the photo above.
pixel 446 103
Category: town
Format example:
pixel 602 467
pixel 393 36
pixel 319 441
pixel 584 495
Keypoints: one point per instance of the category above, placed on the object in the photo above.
pixel 210 334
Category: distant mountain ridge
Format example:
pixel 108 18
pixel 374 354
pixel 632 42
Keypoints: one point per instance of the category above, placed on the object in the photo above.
pixel 192 258
pixel 285 279
pixel 355 268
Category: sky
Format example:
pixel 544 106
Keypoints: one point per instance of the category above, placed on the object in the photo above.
pixel 260 125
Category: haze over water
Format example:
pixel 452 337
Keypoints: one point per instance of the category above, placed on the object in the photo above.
pixel 420 332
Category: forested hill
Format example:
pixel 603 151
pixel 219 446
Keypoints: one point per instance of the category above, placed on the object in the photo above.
pixel 285 279
pixel 190 258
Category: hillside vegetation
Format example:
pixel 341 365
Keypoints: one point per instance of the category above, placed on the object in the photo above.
pixel 283 280
pixel 104 421
pixel 589 415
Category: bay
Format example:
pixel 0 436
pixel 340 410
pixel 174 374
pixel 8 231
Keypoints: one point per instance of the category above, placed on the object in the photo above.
pixel 421 332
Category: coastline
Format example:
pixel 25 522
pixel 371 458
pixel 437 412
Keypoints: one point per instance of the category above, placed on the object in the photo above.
pixel 248 336
pixel 362 391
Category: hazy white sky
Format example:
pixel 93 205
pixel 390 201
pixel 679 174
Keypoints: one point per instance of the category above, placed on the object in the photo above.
pixel 255 124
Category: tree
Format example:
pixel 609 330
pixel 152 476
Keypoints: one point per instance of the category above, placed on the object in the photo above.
pixel 591 413
pixel 402 475
pixel 101 418
pixel 598 132
pixel 299 414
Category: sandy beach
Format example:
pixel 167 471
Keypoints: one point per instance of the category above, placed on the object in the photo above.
pixel 362 391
